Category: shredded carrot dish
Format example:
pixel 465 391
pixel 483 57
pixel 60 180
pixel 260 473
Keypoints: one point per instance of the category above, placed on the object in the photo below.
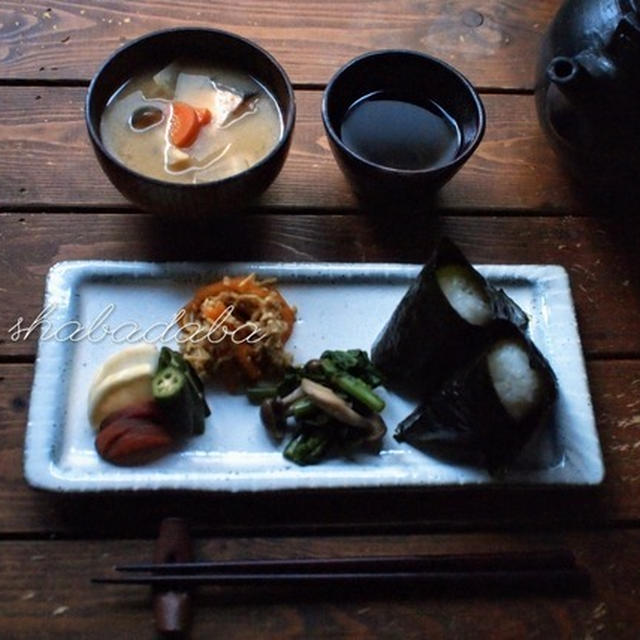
pixel 234 330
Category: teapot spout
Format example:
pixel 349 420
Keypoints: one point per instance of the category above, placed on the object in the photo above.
pixel 563 71
pixel 583 76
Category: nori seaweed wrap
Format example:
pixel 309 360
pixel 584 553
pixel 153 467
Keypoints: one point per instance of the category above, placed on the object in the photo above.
pixel 427 339
pixel 489 408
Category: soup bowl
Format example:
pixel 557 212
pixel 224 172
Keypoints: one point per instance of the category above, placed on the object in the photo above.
pixel 412 78
pixel 153 52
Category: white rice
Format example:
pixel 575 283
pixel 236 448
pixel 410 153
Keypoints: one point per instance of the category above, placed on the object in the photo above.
pixel 518 385
pixel 465 294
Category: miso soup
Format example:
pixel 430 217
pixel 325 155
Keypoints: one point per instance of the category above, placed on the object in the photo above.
pixel 189 123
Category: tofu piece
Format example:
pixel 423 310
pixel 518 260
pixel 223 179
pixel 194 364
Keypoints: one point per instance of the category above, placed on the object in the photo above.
pixel 224 104
pixel 175 159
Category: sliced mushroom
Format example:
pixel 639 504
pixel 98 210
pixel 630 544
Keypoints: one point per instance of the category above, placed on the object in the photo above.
pixel 373 441
pixel 331 403
pixel 314 367
pixel 327 400
pixel 274 418
pixel 377 426
pixel 273 413
pixel 296 394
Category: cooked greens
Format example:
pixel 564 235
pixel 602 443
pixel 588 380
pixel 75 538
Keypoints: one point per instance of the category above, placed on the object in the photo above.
pixel 328 403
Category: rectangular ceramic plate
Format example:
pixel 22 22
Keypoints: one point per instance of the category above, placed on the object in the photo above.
pixel 340 306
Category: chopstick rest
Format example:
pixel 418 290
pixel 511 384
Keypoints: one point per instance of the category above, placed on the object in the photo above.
pixel 172 603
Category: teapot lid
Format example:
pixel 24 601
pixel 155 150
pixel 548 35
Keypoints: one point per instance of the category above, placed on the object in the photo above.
pixel 624 46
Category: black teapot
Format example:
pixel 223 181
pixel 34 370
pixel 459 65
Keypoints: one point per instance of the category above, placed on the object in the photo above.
pixel 588 91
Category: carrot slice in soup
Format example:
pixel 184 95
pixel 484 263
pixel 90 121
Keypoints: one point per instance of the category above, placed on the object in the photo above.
pixel 183 126
pixel 204 116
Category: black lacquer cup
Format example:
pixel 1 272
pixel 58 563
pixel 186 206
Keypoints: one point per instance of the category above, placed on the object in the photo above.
pixel 419 79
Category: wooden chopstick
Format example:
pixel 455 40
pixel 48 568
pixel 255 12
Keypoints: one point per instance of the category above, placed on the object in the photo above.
pixel 510 561
pixel 559 581
pixel 549 570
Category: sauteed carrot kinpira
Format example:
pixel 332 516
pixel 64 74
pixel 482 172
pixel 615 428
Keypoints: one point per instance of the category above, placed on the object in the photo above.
pixel 242 285
pixel 235 330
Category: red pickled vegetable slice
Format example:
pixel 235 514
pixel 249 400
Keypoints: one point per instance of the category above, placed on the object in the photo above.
pixel 132 441
pixel 147 410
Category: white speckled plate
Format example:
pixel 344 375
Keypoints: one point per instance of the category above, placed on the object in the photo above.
pixel 339 306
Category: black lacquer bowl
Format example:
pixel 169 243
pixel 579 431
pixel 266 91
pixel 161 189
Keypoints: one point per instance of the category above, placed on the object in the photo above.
pixel 211 46
pixel 418 78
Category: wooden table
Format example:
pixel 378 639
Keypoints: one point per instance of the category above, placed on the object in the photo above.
pixel 512 203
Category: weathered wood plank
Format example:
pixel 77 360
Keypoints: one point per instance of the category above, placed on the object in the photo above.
pixel 42 131
pixel 614 388
pixel 599 255
pixel 494 42
pixel 40 600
